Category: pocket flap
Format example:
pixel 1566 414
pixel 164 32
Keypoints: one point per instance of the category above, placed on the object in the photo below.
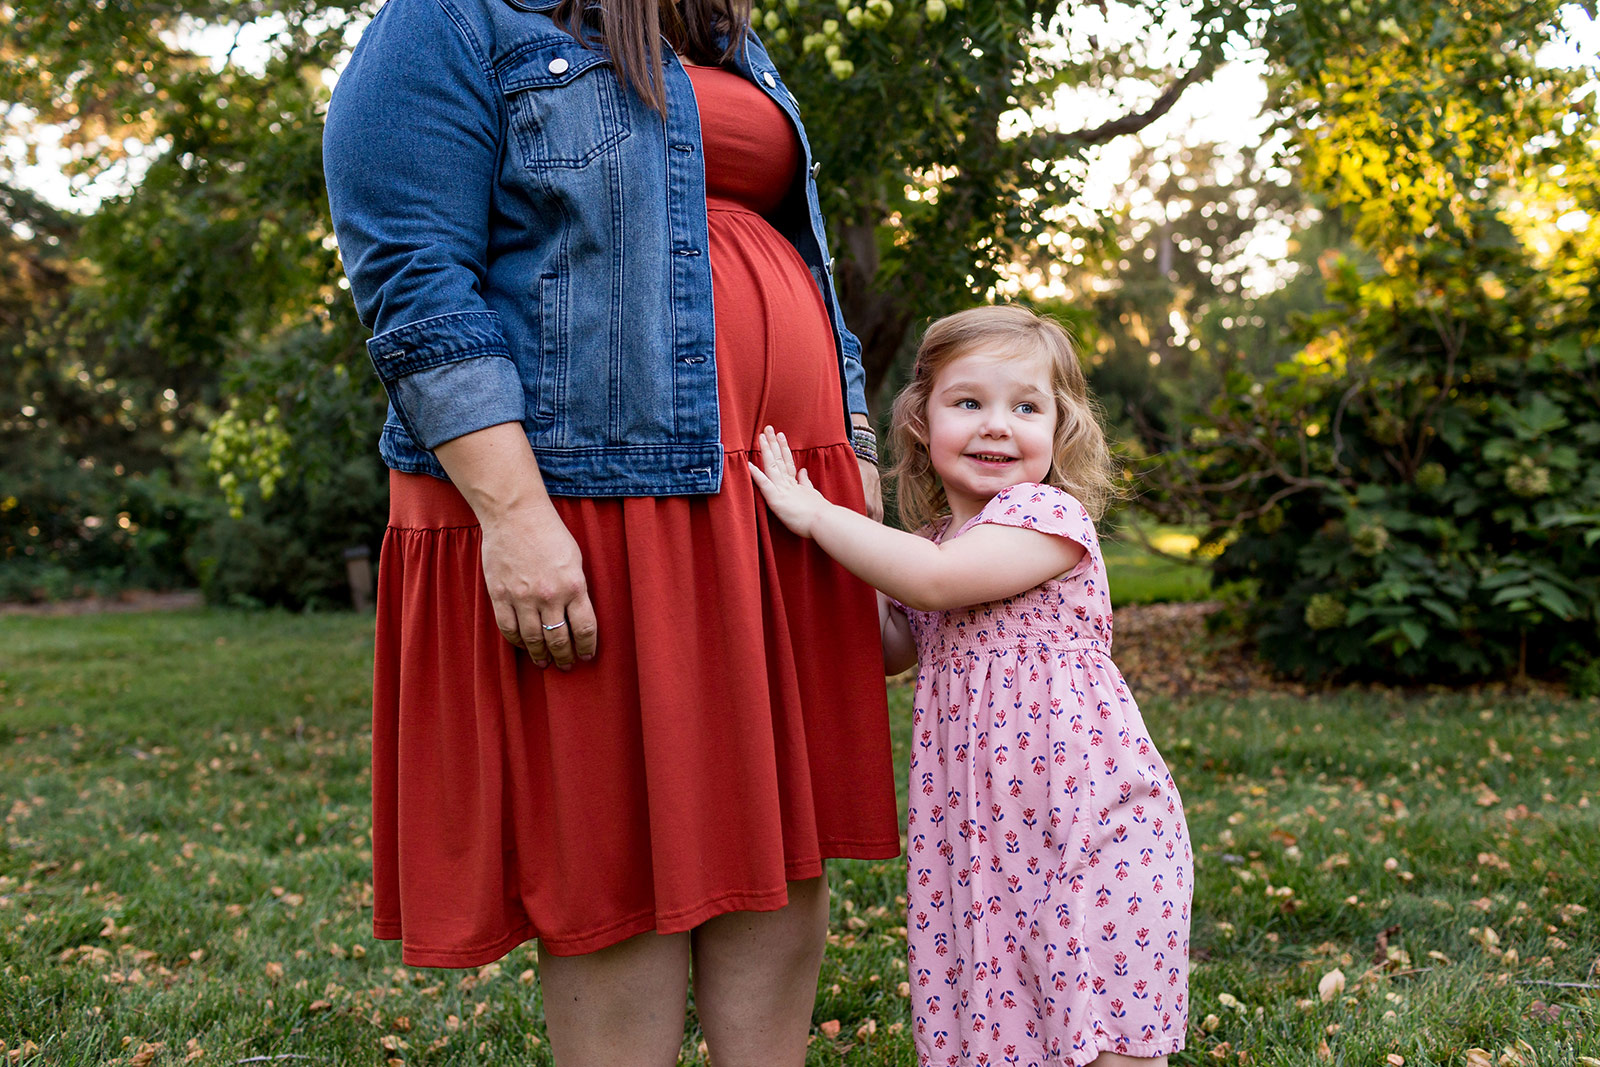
pixel 545 62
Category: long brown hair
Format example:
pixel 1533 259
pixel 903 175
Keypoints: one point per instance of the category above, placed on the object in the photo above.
pixel 632 31
pixel 1081 462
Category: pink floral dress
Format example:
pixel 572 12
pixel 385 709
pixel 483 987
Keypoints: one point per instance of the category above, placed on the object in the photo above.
pixel 1050 871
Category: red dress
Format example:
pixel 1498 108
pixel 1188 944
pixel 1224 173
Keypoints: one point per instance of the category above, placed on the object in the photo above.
pixel 732 732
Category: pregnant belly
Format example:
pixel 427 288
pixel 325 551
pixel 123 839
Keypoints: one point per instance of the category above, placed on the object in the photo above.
pixel 776 362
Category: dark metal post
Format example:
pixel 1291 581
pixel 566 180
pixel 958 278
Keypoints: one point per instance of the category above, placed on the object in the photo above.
pixel 358 568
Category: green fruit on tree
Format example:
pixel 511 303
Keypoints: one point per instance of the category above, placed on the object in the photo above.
pixel 1324 611
pixel 1527 479
pixel 1430 476
pixel 1370 540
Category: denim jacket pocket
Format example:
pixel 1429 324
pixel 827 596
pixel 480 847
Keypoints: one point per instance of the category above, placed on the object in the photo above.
pixel 550 385
pixel 563 101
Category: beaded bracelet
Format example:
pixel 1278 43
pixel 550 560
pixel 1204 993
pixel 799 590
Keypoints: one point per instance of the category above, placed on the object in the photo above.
pixel 865 444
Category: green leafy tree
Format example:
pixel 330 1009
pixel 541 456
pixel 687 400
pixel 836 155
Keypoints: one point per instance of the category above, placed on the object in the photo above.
pixel 86 496
pixel 1168 293
pixel 1415 495
pixel 935 176
pixel 209 295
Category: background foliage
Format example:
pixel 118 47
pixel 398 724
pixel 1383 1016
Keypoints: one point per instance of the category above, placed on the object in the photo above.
pixel 198 304
pixel 1414 494
pixel 184 395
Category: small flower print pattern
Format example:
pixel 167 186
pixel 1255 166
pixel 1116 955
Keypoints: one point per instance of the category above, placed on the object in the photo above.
pixel 1049 865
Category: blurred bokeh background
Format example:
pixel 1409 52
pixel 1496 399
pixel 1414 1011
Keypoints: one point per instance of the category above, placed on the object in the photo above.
pixel 1331 263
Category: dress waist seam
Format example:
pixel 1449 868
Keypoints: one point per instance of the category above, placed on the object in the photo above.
pixel 998 647
pixel 731 207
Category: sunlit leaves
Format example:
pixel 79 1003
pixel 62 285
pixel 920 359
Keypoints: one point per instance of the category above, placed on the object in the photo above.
pixel 1410 497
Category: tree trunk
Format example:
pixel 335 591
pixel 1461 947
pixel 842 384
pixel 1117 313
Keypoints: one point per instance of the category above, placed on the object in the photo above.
pixel 879 318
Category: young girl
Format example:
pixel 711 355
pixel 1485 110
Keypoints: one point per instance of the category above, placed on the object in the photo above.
pixel 1049 865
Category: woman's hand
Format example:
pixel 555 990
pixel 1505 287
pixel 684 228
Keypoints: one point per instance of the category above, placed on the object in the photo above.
pixel 872 489
pixel 789 491
pixel 871 477
pixel 534 573
pixel 531 565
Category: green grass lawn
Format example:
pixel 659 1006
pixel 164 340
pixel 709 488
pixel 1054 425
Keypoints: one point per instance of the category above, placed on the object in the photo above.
pixel 1139 576
pixel 184 870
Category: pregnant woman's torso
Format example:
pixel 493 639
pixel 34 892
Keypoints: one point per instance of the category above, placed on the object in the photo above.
pixel 775 350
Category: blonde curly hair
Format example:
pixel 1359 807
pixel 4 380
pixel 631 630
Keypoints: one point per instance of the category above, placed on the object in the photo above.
pixel 1081 463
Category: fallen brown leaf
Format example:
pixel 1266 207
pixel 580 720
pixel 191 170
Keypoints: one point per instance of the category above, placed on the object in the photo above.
pixel 146 1054
pixel 1544 1012
pixel 1380 954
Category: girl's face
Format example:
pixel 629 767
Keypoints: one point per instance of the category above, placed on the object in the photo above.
pixel 991 424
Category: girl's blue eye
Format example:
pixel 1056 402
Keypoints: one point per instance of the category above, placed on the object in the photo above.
pixel 1026 408
pixel 969 404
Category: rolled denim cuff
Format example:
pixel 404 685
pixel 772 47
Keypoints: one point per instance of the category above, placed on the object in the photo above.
pixel 449 375
pixel 855 373
pixel 435 341
pixel 450 401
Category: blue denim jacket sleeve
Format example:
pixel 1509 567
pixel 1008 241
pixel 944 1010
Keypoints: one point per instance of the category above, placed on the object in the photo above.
pixel 855 372
pixel 410 152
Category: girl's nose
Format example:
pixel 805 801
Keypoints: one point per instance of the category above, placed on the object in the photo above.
pixel 996 425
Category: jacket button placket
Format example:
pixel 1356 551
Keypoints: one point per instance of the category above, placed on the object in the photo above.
pixel 694 340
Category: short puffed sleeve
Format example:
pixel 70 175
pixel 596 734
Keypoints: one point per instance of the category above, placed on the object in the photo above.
pixel 1033 506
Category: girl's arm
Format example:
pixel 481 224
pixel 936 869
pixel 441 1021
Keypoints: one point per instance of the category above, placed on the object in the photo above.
pixel 988 563
pixel 899 649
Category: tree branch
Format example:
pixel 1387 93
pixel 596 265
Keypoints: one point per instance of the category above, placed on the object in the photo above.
pixel 1110 131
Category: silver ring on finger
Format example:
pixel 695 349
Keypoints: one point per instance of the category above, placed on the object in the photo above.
pixel 556 626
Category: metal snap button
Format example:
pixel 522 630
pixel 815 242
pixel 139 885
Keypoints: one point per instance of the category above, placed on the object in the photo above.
pixel 558 66
pixel 816 168
pixel 772 83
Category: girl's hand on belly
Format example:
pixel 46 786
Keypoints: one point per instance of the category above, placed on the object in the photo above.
pixel 788 489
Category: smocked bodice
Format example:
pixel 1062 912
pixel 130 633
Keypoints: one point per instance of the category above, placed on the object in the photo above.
pixel 1069 613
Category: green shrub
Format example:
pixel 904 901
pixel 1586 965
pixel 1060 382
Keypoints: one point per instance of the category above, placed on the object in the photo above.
pixel 294 464
pixel 73 528
pixel 1416 496
pixel 288 551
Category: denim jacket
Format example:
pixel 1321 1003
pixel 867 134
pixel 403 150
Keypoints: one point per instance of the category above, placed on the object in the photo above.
pixel 527 241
